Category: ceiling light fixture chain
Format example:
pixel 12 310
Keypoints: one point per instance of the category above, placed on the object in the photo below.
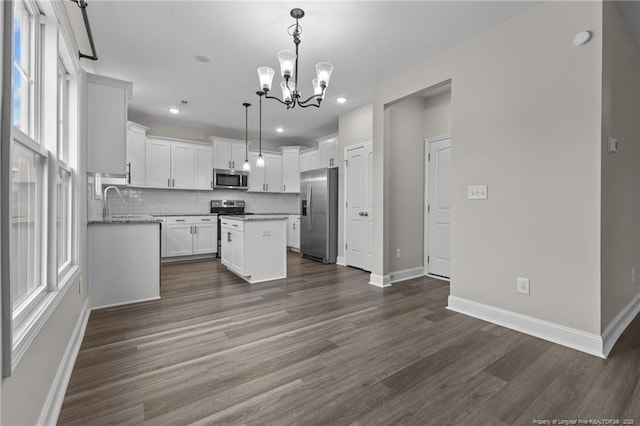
pixel 289 71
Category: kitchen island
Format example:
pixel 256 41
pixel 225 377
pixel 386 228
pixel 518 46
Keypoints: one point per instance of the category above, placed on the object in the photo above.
pixel 254 247
pixel 124 260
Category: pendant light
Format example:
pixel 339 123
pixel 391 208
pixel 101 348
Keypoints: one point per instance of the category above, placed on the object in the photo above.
pixel 260 162
pixel 246 166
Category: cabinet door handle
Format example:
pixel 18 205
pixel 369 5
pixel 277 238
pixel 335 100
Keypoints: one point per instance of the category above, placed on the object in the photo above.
pixel 233 164
pixel 284 188
pixel 267 187
pixel 195 229
pixel 129 174
pixel 173 182
pixel 294 226
pixel 228 237
pixel 169 182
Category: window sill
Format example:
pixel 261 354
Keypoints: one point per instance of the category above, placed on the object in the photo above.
pixel 31 326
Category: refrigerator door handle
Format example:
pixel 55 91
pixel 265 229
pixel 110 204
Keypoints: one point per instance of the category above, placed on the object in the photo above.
pixel 309 211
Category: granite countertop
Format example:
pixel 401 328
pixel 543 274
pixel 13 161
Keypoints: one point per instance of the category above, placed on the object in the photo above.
pixel 125 219
pixel 256 217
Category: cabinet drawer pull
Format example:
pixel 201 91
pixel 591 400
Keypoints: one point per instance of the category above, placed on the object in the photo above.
pixel 235 225
pixel 205 220
pixel 180 220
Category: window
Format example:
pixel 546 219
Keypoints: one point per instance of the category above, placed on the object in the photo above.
pixel 42 243
pixel 27 277
pixel 24 38
pixel 64 208
pixel 63 219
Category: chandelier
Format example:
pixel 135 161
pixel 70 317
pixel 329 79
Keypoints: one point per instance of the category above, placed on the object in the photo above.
pixel 289 70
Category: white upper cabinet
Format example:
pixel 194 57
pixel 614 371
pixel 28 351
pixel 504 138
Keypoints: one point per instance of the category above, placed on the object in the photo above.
pixel 203 170
pixel 291 169
pixel 228 153
pixel 328 150
pixel 136 152
pixel 178 164
pixel 182 165
pixel 309 160
pixel 273 172
pixel 267 178
pixel 158 163
pixel 107 124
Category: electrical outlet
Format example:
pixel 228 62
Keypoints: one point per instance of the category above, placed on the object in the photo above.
pixel 523 285
pixel 397 253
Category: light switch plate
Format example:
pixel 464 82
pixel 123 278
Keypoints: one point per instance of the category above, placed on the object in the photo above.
pixel 477 192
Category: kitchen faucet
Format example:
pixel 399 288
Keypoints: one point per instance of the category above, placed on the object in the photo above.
pixel 105 208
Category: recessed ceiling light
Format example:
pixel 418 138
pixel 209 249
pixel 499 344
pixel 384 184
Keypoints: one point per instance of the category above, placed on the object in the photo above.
pixel 203 59
pixel 341 100
pixel 279 130
pixel 174 110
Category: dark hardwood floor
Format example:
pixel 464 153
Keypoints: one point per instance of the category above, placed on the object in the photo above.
pixel 324 347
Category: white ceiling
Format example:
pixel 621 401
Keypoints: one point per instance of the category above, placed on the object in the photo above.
pixel 154 44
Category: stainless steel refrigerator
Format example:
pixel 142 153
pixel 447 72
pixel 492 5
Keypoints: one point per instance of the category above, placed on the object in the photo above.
pixel 319 214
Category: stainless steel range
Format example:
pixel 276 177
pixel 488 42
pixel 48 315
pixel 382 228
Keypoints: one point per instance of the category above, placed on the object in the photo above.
pixel 228 208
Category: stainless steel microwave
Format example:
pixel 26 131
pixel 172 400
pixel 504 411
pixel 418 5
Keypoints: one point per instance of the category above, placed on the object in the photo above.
pixel 230 179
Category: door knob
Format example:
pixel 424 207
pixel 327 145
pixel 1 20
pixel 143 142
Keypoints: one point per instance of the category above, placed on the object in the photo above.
pixel 365 214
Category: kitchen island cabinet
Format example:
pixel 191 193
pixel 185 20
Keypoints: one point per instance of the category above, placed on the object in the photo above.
pixel 255 246
pixel 124 260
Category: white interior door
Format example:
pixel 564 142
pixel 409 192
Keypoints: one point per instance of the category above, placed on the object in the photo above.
pixel 358 215
pixel 438 207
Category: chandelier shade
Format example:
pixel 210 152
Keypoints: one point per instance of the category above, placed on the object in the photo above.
pixel 265 74
pixel 289 71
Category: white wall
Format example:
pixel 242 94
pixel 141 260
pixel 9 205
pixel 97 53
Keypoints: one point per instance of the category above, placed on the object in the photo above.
pixel 437 115
pixel 354 127
pixel 406 200
pixel 620 172
pixel 526 122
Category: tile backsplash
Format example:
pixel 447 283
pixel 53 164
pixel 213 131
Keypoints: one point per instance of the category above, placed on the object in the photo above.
pixel 171 201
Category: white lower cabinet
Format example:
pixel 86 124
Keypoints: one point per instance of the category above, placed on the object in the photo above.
pixel 255 249
pixel 232 245
pixel 293 234
pixel 191 235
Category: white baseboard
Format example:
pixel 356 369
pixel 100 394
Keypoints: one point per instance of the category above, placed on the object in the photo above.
pixel 341 261
pixel 556 333
pixel 395 277
pixel 619 324
pixel 406 274
pixel 55 397
pixel 379 280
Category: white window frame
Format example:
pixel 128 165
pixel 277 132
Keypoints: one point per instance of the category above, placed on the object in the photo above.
pixel 24 310
pixel 50 46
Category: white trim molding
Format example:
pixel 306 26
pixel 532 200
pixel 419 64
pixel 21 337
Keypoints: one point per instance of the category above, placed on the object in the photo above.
pixel 380 280
pixel 55 397
pixel 556 333
pixel 406 274
pixel 341 261
pixel 615 328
